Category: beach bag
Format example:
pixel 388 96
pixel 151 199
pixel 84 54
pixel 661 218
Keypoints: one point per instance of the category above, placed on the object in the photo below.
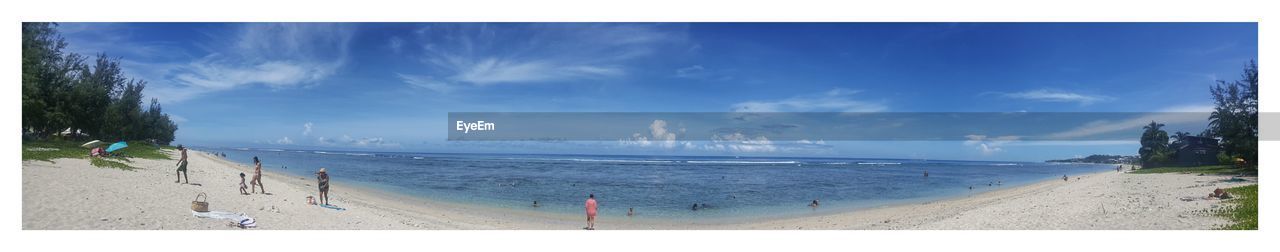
pixel 200 205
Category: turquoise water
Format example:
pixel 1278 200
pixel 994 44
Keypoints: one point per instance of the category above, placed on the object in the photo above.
pixel 660 186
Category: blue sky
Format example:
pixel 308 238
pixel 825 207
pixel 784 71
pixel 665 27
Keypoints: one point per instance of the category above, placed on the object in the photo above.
pixel 389 86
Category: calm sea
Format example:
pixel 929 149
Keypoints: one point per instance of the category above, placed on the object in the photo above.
pixel 660 186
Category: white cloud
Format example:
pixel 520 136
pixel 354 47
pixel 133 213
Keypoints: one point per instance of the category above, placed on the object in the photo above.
pixel 835 100
pixel 1048 95
pixel 661 137
pixel 658 136
pixel 737 142
pixel 306 129
pixel 275 55
pixel 364 142
pixel 284 141
pixel 492 54
pixel 989 145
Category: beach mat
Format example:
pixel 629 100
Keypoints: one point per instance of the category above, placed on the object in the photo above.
pixel 242 220
pixel 333 207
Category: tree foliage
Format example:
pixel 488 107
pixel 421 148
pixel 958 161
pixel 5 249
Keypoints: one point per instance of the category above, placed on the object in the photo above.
pixel 60 90
pixel 1235 116
pixel 1155 149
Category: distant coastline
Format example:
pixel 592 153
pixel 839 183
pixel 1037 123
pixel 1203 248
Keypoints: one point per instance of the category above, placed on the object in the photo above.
pixel 1098 159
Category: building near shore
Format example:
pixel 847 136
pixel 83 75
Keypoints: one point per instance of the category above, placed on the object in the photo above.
pixel 1195 151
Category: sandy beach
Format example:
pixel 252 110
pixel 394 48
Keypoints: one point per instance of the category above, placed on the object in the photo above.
pixel 72 194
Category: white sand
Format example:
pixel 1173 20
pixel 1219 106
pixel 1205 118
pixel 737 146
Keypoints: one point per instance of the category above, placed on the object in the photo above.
pixel 72 194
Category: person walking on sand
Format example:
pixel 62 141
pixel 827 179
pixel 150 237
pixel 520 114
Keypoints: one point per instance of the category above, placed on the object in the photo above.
pixel 257 177
pixel 182 166
pixel 322 179
pixel 591 212
pixel 242 186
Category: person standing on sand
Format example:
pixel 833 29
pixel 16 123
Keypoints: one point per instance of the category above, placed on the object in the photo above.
pixel 257 177
pixel 322 179
pixel 591 212
pixel 182 166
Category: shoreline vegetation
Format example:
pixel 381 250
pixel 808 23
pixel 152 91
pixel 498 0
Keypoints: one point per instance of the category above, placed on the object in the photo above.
pixel 49 150
pixel 68 99
pixel 146 199
pixel 1241 210
pixel 1208 170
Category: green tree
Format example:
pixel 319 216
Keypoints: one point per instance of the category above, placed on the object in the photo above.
pixel 92 94
pixel 124 115
pixel 61 91
pixel 1235 116
pixel 1155 145
pixel 47 78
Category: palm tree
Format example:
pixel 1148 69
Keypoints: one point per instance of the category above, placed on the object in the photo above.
pixel 1155 145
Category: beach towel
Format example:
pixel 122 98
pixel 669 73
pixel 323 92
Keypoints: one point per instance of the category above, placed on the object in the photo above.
pixel 241 220
pixel 333 207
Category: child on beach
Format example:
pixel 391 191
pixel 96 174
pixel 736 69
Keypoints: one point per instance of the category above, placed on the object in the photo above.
pixel 242 186
pixel 257 177
pixel 591 212
pixel 631 212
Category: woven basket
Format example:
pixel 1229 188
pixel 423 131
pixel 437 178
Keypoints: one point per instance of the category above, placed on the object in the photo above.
pixel 200 205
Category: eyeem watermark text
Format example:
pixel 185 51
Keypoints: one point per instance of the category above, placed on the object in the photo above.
pixel 467 127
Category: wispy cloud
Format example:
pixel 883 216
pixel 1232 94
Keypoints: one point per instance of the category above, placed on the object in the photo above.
pixel 493 54
pixel 275 55
pixel 835 100
pixel 699 72
pixel 1171 115
pixel 1050 95
pixel 426 82
pixel 396 44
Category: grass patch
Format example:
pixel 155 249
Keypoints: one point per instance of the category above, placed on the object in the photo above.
pixel 53 149
pixel 108 163
pixel 145 150
pixel 1208 169
pixel 50 150
pixel 1243 209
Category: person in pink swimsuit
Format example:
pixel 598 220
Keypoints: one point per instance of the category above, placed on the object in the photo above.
pixel 591 212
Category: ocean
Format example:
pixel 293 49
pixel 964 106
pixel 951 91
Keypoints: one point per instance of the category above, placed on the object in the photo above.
pixel 663 187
